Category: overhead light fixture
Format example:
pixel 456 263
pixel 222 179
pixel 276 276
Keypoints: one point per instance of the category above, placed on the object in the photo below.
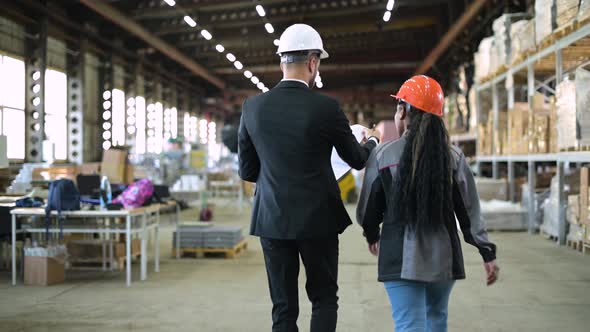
pixel 387 16
pixel 220 48
pixel 260 85
pixel 254 80
pixel 265 90
pixel 390 4
pixel 260 10
pixel 319 84
pixel 189 20
pixel 231 57
pixel 170 3
pixel 276 42
pixel 269 28
pixel 238 65
pixel 206 34
pixel 248 74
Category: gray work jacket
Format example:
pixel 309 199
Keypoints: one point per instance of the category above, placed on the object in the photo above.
pixel 407 252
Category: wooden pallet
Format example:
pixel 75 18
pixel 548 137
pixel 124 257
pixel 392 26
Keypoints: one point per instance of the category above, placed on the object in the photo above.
pixel 576 245
pixel 96 263
pixel 548 236
pixel 581 148
pixel 227 252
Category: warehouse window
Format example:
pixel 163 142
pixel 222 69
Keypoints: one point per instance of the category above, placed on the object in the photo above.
pixel 12 105
pixel 56 110
pixel 140 139
pixel 118 117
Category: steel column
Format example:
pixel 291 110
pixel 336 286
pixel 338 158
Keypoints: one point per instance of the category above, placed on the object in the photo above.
pixel 36 49
pixel 105 101
pixel 561 222
pixel 496 134
pixel 75 69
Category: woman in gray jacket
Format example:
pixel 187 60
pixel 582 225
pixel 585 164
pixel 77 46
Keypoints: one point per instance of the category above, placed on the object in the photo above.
pixel 415 187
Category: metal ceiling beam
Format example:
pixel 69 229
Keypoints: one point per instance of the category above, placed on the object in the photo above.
pixel 326 27
pixel 111 13
pixel 450 35
pixel 328 67
pixel 241 5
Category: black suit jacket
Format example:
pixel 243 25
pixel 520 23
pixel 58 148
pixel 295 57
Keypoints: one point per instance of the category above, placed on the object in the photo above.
pixel 285 143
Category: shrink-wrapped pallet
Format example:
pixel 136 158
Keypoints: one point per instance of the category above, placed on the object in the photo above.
pixel 543 19
pixel 566 11
pixel 502 39
pixel 584 12
pixel 566 114
pixel 522 38
pixel 482 58
pixel 583 103
pixel 550 210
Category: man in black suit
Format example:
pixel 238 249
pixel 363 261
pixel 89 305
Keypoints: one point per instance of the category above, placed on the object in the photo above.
pixel 285 143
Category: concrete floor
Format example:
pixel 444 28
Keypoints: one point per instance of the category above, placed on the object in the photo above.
pixel 542 288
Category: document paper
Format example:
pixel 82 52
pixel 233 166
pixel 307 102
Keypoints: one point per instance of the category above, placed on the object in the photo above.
pixel 339 166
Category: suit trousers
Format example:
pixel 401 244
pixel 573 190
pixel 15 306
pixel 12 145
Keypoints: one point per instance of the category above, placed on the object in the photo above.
pixel 320 258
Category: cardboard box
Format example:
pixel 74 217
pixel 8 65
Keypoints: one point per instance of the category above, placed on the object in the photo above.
pixel 44 271
pixel 129 174
pixel 55 172
pixel 120 248
pixel 114 164
pixel 90 168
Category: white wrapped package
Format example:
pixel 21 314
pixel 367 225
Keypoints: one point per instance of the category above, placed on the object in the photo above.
pixel 501 39
pixel 550 225
pixel 576 233
pixel 583 103
pixel 482 58
pixel 566 114
pixel 566 10
pixel 522 38
pixel 584 12
pixel 543 19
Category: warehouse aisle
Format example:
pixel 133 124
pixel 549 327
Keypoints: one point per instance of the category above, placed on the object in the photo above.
pixel 542 288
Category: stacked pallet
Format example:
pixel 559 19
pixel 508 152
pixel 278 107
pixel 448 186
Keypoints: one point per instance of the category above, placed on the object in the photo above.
pixel 584 12
pixel 196 238
pixel 566 12
pixel 543 126
pixel 518 129
pixel 482 59
pixel 543 20
pixel 577 213
pixel 522 37
pixel 582 83
pixel 566 115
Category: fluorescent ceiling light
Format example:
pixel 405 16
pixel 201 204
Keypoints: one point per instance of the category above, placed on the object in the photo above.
pixel 238 65
pixel 254 80
pixel 220 48
pixel 260 10
pixel 387 16
pixel 231 57
pixel 269 28
pixel 276 42
pixel 319 85
pixel 170 3
pixel 390 4
pixel 265 90
pixel 189 20
pixel 260 85
pixel 206 34
pixel 248 74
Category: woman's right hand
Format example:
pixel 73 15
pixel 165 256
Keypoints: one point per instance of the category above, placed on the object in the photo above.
pixel 492 271
pixel 374 248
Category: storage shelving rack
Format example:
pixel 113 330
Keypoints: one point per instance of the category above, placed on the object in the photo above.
pixel 546 65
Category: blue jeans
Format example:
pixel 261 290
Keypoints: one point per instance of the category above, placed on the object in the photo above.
pixel 419 306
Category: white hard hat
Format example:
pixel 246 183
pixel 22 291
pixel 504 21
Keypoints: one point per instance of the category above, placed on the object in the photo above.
pixel 301 37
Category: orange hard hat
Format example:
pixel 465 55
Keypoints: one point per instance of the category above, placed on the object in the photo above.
pixel 423 93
